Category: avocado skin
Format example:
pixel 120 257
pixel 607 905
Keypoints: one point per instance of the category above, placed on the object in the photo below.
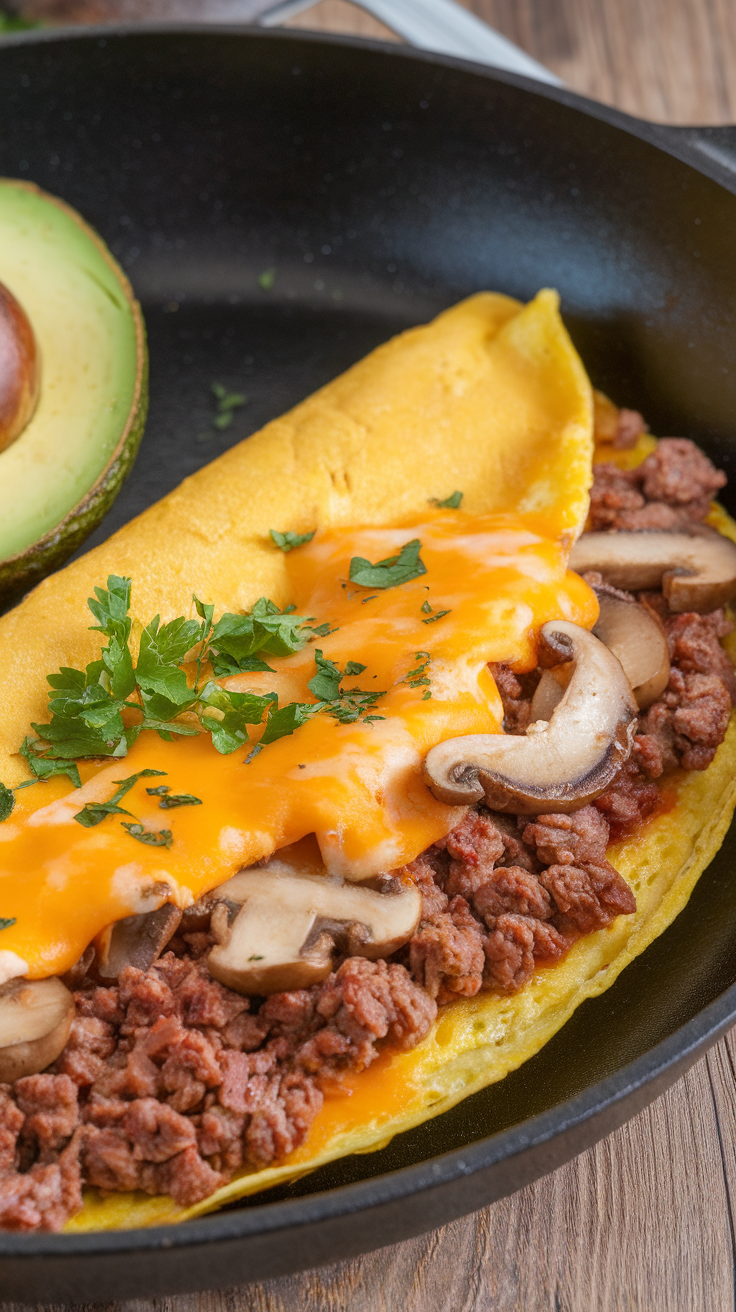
pixel 21 572
pixel 18 574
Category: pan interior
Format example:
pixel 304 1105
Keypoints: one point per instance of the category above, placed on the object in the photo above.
pixel 283 205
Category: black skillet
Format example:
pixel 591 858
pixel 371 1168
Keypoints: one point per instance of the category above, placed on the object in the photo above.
pixel 374 187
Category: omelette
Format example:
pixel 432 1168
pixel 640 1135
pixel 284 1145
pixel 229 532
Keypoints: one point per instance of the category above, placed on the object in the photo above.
pixel 398 731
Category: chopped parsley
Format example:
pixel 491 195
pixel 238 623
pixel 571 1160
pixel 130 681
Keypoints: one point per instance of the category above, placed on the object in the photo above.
pixel 439 616
pixel 418 677
pixel 392 571
pixel 426 608
pixel 450 503
pixel 169 799
pixel 6 922
pixel 152 837
pixel 7 802
pixel 344 704
pixel 95 812
pixel 288 540
pixel 91 709
pixel 227 404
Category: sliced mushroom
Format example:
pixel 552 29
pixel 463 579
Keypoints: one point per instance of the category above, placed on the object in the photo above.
pixel 278 931
pixel 35 1019
pixel 560 764
pixel 548 694
pixel 19 369
pixel 634 634
pixel 695 571
pixel 135 941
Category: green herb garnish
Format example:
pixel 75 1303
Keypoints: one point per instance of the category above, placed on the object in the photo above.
pixel 439 616
pixel 179 799
pixel 95 812
pixel 227 403
pixel 417 677
pixel 345 704
pixel 5 923
pixel 7 802
pixel 288 540
pixel 426 608
pixel 450 503
pixel 152 837
pixel 392 571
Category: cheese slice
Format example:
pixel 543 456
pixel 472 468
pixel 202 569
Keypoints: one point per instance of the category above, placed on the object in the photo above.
pixel 490 399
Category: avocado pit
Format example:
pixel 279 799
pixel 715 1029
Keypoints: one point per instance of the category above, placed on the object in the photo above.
pixel 20 372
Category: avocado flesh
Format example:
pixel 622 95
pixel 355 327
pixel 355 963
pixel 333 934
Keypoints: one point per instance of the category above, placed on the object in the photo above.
pixel 61 475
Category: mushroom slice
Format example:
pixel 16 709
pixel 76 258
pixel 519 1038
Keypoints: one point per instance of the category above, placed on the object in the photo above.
pixel 560 764
pixel 634 635
pixel 695 571
pixel 35 1019
pixel 548 694
pixel 278 931
pixel 135 941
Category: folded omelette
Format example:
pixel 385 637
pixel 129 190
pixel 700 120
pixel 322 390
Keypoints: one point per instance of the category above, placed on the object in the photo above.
pixel 417 515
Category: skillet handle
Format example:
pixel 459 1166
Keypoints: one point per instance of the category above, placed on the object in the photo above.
pixel 441 26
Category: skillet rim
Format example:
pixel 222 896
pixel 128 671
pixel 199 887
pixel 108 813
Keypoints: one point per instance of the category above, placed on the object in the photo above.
pixel 615 1099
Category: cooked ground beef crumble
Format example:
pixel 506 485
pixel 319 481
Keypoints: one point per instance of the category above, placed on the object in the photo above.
pixel 170 1082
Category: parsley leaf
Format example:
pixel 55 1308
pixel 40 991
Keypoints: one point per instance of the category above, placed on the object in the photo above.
pixel 43 767
pixel 283 720
pixel 5 923
pixel 227 403
pixel 179 799
pixel 352 705
pixel 325 684
pixel 287 541
pixel 95 812
pixel 439 616
pixel 450 503
pixel 344 705
pixel 7 802
pixel 152 837
pixel 165 691
pixel 417 677
pixel 232 712
pixel 388 573
pixel 110 608
pixel 243 639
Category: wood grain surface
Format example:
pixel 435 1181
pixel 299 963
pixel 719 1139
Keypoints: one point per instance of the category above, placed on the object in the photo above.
pixel 644 1222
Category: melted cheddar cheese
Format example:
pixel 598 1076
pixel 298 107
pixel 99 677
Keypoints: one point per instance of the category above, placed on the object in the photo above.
pixel 357 787
pixel 490 398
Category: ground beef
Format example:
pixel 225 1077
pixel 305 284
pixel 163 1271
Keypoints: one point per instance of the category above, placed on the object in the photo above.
pixel 689 721
pixel 169 1083
pixel 571 839
pixel 446 953
pixel 671 489
pixel 516 692
pixel 514 945
pixel 629 429
pixel 587 897
pixel 630 798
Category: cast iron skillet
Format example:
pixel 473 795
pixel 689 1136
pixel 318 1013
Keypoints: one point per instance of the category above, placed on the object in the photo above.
pixel 374 187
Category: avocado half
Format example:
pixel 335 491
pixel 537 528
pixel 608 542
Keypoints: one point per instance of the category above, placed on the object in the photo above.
pixel 62 474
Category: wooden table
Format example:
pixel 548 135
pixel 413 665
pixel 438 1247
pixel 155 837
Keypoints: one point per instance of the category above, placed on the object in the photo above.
pixel 644 1222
